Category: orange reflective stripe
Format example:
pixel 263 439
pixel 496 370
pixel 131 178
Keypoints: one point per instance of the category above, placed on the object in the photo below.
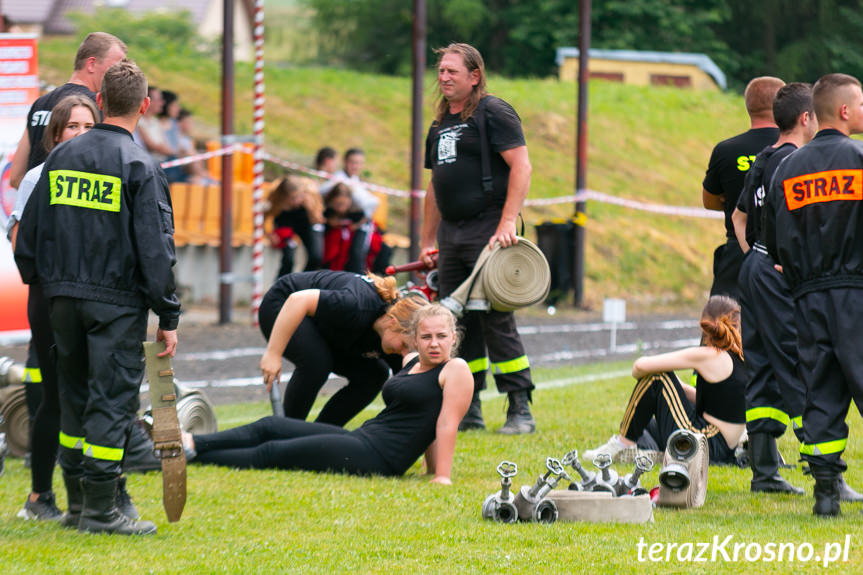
pixel 820 187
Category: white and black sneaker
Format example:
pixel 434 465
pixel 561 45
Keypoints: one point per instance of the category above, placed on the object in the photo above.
pixel 43 509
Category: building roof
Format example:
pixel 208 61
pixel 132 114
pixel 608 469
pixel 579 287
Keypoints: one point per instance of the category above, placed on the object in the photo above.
pixel 703 61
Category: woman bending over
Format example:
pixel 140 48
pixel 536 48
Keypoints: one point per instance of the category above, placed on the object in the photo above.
pixel 333 322
pixel 425 402
pixel 660 404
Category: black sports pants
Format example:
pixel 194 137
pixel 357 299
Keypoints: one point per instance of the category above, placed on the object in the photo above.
pixel 460 245
pixel 285 443
pixel 831 363
pixel 45 419
pixel 314 360
pixel 660 397
pixel 775 393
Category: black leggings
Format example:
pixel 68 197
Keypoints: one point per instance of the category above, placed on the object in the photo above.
pixel 658 406
pixel 314 360
pixel 284 443
pixel 45 423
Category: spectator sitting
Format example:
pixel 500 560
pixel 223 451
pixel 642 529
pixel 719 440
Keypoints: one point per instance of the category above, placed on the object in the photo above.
pixel 352 242
pixel 196 171
pixel 325 160
pixel 152 135
pixel 296 211
pixel 354 161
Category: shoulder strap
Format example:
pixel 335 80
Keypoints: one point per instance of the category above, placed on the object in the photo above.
pixel 481 120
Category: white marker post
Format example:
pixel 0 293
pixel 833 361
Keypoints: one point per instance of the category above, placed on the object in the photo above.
pixel 613 312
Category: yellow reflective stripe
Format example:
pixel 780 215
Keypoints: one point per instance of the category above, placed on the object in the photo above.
pixel 85 190
pixel 70 441
pixel 101 452
pixel 797 422
pixel 511 366
pixel 768 413
pixel 826 448
pixel 693 379
pixel 478 365
pixel 32 375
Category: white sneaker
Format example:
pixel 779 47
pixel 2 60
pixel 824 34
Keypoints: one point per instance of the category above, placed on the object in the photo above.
pixel 614 449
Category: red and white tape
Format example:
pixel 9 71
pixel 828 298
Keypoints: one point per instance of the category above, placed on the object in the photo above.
pixel 203 156
pixel 258 169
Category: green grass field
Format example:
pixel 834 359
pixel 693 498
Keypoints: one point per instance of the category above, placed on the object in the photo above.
pixel 292 522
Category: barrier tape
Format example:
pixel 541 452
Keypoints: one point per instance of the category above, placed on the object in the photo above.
pixel 203 156
pixel 593 195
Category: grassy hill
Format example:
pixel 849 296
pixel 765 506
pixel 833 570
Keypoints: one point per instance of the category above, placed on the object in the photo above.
pixel 651 144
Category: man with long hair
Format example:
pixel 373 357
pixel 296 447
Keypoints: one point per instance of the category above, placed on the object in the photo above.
pixel 480 177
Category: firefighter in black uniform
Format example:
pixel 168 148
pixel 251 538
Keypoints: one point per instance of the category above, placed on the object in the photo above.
pixel 814 229
pixel 480 178
pixel 729 162
pixel 97 234
pixel 775 393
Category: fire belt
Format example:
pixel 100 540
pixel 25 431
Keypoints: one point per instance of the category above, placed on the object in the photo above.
pixel 167 442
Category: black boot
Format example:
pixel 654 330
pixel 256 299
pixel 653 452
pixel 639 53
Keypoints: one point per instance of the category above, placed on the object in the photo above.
pixel 846 493
pixel 764 460
pixel 101 515
pixel 473 418
pixel 124 500
pixel 75 500
pixel 518 417
pixel 826 495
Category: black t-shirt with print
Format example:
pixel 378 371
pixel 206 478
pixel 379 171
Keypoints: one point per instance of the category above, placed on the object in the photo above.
pixel 40 114
pixel 454 157
pixel 751 200
pixel 348 306
pixel 730 161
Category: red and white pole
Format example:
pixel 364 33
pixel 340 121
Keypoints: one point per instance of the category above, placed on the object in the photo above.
pixel 258 170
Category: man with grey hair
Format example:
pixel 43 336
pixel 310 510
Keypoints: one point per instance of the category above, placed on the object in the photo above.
pixel 97 234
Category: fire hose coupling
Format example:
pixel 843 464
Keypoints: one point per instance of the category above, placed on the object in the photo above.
pixel 530 501
pixel 588 478
pixel 499 506
pixel 11 372
pixel 683 477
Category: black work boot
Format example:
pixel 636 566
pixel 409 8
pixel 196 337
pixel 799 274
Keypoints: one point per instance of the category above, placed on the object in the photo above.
pixel 846 492
pixel 124 500
pixel 826 495
pixel 75 500
pixel 518 417
pixel 764 460
pixel 101 515
pixel 473 418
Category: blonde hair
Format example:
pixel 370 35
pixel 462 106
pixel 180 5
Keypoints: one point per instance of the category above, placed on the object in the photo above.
pixel 403 311
pixel 720 324
pixel 435 310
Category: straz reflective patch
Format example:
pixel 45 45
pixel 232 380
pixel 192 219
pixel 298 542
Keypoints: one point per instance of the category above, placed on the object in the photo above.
pixel 823 187
pixel 85 190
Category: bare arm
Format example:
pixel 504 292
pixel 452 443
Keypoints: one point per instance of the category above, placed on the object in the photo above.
pixel 19 162
pixel 431 222
pixel 712 201
pixel 519 184
pixel 298 306
pixel 689 392
pixel 739 218
pixel 708 361
pixel 457 383
pixel 152 146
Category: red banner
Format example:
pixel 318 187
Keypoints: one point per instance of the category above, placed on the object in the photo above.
pixel 19 86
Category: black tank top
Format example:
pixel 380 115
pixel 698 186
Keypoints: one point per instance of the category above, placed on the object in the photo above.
pixel 725 399
pixel 406 427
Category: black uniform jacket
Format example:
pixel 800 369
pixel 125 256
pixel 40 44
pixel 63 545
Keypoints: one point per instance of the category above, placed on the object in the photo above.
pixel 99 226
pixel 814 219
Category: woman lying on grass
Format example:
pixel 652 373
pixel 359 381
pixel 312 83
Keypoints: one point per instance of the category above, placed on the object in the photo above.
pixel 660 404
pixel 425 402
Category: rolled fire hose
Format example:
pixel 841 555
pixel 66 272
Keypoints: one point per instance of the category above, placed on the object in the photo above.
pixel 195 411
pixel 694 492
pixel 503 279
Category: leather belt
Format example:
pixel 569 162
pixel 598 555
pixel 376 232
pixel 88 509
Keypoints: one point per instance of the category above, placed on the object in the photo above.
pixel 167 443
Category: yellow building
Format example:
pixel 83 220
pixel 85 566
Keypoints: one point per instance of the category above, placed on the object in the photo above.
pixel 696 71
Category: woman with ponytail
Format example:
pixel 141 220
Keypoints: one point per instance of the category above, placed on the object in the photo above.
pixel 333 322
pixel 661 404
